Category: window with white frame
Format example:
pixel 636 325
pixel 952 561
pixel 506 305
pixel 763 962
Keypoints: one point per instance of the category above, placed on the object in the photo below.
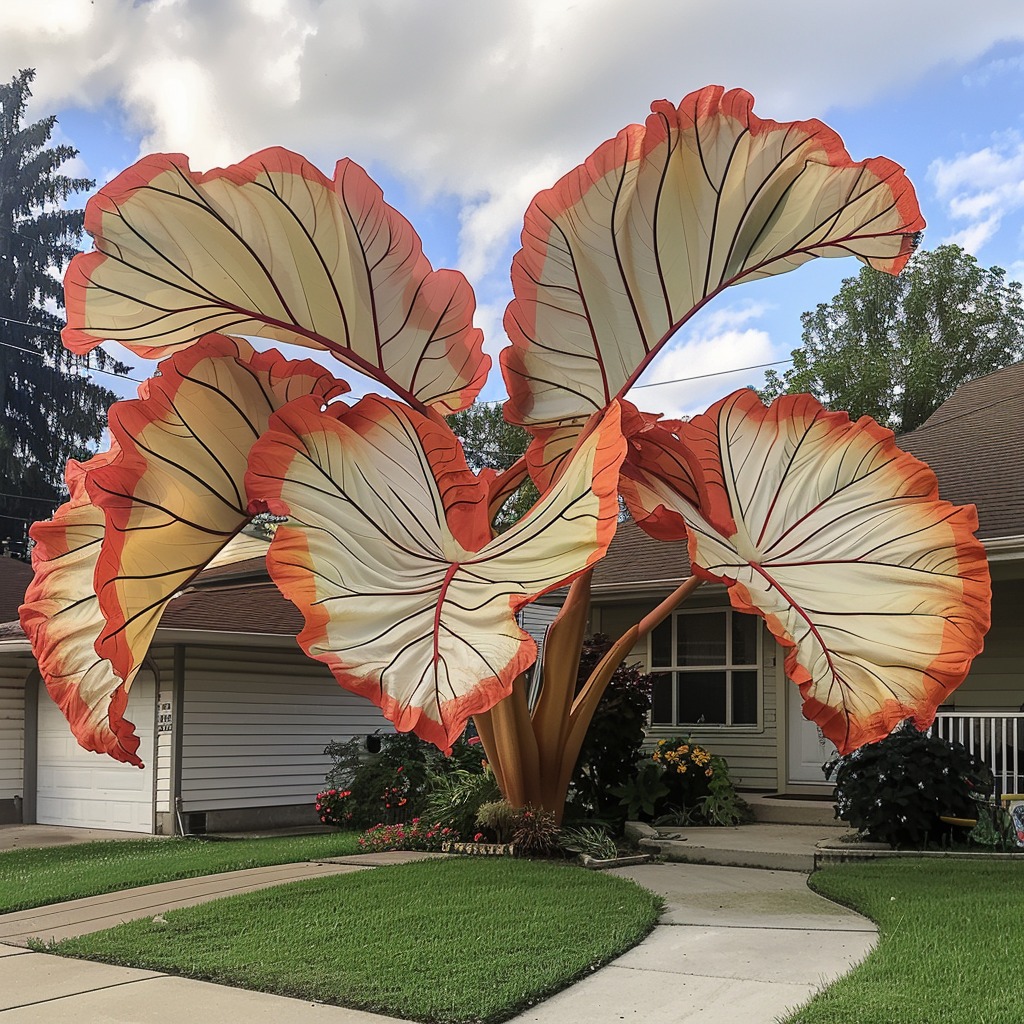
pixel 706 667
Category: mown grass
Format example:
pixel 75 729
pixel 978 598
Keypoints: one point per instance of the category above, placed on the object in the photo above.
pixel 34 878
pixel 448 941
pixel 951 944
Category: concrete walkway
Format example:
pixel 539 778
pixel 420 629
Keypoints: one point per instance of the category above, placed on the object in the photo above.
pixel 735 944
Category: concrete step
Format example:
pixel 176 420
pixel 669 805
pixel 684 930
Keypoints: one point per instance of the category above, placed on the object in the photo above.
pixel 777 810
pixel 775 847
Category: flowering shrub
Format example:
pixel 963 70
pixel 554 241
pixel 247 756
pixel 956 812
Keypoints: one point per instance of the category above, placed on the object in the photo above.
pixel 896 790
pixel 334 806
pixel 414 835
pixel 682 756
pixel 685 784
pixel 394 782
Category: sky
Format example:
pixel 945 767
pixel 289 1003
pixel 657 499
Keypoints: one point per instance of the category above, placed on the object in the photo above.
pixel 463 109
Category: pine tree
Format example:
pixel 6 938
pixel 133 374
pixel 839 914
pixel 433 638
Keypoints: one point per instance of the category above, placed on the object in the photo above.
pixel 50 409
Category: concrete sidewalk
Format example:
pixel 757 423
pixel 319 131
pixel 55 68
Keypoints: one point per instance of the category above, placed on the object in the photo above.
pixel 735 944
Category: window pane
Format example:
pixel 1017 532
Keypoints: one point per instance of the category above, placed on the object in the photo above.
pixel 661 699
pixel 744 639
pixel 702 697
pixel 661 644
pixel 701 639
pixel 744 698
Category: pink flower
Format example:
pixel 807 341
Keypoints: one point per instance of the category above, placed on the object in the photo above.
pixel 478 837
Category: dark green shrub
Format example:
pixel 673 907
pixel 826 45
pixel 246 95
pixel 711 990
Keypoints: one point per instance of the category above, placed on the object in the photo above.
pixel 895 791
pixel 393 784
pixel 613 742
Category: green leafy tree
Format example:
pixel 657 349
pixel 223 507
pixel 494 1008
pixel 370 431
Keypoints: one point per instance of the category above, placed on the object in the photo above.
pixel 491 442
pixel 50 410
pixel 895 348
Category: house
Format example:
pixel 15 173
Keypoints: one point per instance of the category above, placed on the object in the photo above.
pixel 232 716
pixel 733 677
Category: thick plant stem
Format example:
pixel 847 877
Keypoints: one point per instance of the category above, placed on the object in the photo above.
pixel 533 757
pixel 561 663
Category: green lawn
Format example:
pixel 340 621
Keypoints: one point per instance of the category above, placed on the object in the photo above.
pixel 951 947
pixel 459 940
pixel 33 878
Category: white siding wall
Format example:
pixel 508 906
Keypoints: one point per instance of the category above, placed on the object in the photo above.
pixel 14 671
pixel 752 753
pixel 255 725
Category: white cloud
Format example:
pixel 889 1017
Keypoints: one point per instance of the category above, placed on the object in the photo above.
pixel 981 188
pixel 719 354
pixel 480 101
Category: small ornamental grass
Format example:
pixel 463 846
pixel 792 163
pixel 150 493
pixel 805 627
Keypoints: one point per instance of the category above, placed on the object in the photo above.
pixel 448 941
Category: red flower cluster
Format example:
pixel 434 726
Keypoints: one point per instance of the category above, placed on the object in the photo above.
pixel 412 836
pixel 330 805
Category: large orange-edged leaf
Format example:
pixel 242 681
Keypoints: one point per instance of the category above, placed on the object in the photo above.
pixel 389 554
pixel 272 247
pixel 823 526
pixel 176 495
pixel 62 619
pixel 627 246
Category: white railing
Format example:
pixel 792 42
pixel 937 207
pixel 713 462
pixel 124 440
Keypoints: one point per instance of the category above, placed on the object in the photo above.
pixel 997 737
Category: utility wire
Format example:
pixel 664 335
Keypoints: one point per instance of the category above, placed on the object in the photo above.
pixel 40 355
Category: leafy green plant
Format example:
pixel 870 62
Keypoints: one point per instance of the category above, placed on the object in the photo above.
pixel 723 805
pixel 641 794
pixel 614 740
pixel 895 791
pixel 455 796
pixel 588 839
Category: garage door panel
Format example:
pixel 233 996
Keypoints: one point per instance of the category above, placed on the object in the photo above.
pixel 77 787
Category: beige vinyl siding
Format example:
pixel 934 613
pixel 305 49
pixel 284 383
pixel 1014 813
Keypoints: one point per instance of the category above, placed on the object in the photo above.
pixel 996 679
pixel 14 670
pixel 752 752
pixel 255 725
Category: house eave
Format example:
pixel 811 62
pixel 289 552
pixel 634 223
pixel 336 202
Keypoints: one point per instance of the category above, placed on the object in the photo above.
pixel 1004 549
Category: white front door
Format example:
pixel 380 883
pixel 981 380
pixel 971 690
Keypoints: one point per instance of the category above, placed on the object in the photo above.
pixel 77 787
pixel 807 748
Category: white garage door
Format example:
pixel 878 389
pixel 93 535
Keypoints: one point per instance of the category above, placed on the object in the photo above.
pixel 77 787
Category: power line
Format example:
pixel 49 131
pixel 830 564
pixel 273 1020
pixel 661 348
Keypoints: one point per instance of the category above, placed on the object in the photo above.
pixel 716 373
pixel 40 355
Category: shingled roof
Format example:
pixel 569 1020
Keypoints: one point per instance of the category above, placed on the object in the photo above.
pixel 975 443
pixel 14 578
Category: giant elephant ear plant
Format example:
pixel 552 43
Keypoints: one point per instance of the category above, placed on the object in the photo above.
pixel 878 590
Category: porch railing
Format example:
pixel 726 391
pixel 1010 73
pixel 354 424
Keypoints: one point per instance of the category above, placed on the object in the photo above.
pixel 997 737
